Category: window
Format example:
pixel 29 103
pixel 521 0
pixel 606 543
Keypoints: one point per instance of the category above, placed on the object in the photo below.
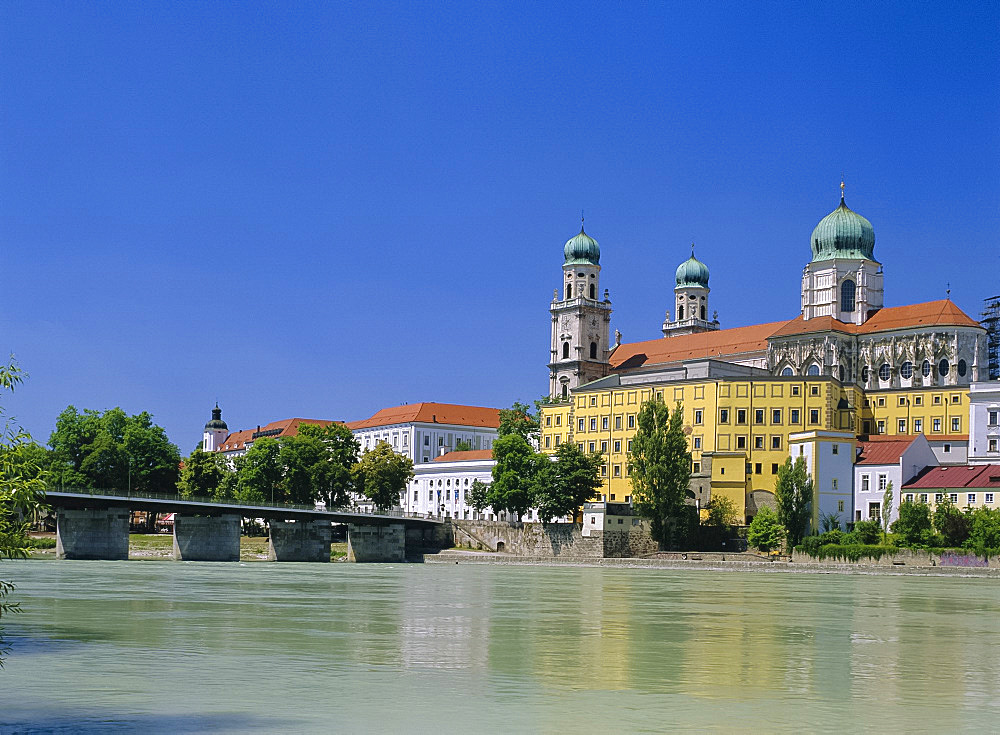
pixel 776 416
pixel 955 398
pixel 698 417
pixel 723 415
pixel 795 390
pixel 793 416
pixel 580 425
pixel 775 442
pixel 758 442
pixel 947 448
pixel 741 416
pixel 631 421
pixel 548 421
pixel 604 447
pixel 566 344
pixel 936 425
pixel 884 371
pixel 840 506
pixel 593 348
pixel 880 426
pixel 847 291
pixel 865 483
pixel 548 442
pixel 774 468
pixel 787 372
pixel 697 442
pixel 901 428
pixel 901 401
pixel 962 368
pixel 909 497
pixel 918 426
pixel 604 470
pixel 971 498
pixel 918 400
pixel 956 425
pixel 616 471
pixel 757 468
pixel 593 400
pixel 628 446
pixel 991 445
pixel 813 416
pixel 833 483
pixel 741 442
pixel 813 369
pixel 696 467
pixel 993 417
pixel 618 423
pixel 953 497
pixel 593 291
pixel 617 447
pixel 592 447
pixel 882 481
pixel 580 445
pixel 864 374
pixel 937 400
pixel 758 416
pixel 923 497
pixel 943 367
pixel 906 370
pixel 558 420
pixel 925 368
pixel 814 390
pixel 427 440
pixel 989 497
pixel 881 400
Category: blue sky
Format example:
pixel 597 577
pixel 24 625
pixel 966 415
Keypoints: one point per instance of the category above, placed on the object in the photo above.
pixel 322 209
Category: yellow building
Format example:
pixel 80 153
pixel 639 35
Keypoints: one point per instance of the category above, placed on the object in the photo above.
pixel 844 364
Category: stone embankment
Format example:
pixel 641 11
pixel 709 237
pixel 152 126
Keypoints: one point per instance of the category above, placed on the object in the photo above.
pixel 552 540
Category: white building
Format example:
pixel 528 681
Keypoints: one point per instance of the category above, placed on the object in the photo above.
pixel 603 516
pixel 423 431
pixel 880 462
pixel 984 423
pixel 829 458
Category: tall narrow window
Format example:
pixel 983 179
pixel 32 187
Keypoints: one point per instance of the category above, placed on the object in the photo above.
pixel 593 291
pixel 703 312
pixel 847 292
pixel 565 350
pixel 680 313
pixel 593 350
pixel 569 291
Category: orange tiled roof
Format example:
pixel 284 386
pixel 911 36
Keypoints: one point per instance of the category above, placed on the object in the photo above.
pixel 468 456
pixel 883 452
pixel 432 413
pixel 928 313
pixel 286 427
pixel 720 343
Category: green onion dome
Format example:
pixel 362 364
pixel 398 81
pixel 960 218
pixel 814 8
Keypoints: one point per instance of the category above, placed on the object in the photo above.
pixel 692 272
pixel 582 250
pixel 843 234
pixel 216 422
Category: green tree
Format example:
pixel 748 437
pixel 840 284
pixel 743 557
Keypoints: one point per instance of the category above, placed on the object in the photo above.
pixel 332 476
pixel 886 509
pixel 202 474
pixel 463 446
pixel 793 494
pixel 478 495
pixel 660 468
pixel 914 524
pixel 382 475
pixel 514 475
pixel 985 534
pixel 766 532
pixel 954 525
pixel 258 474
pixel 569 482
pixel 722 512
pixel 518 420
pixel 22 490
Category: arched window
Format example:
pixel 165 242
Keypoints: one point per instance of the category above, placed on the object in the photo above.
pixel 569 291
pixel 593 291
pixel 884 371
pixel 593 350
pixel 680 313
pixel 565 390
pixel 813 369
pixel 703 312
pixel 787 372
pixel 906 370
pixel 842 373
pixel 565 350
pixel 925 369
pixel 962 368
pixel 943 367
pixel 847 292
pixel 864 374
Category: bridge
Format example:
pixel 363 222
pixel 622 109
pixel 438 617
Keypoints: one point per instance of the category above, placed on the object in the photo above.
pixel 94 524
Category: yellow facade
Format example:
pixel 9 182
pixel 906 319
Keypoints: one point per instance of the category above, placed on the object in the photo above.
pixel 738 428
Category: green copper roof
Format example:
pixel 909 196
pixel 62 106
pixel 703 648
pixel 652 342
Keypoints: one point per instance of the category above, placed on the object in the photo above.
pixel 582 250
pixel 216 422
pixel 692 272
pixel 843 234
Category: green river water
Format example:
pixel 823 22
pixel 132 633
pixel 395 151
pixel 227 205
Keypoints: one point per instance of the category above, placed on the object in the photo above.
pixel 264 647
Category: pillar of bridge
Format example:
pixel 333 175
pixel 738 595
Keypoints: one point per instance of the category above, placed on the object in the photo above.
pixel 93 533
pixel 207 537
pixel 298 540
pixel 370 542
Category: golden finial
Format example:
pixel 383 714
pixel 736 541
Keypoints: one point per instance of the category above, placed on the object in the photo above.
pixel 842 187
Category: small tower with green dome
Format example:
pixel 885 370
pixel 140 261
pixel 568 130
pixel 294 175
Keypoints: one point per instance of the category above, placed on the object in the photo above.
pixel 843 280
pixel 691 314
pixel 216 431
pixel 581 318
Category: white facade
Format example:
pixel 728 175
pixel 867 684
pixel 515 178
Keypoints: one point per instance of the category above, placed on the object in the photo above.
pixel 422 442
pixel 823 289
pixel 949 450
pixel 601 516
pixel 984 423
pixel 871 479
pixel 829 458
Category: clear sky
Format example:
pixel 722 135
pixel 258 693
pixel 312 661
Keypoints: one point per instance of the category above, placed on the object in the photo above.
pixel 319 210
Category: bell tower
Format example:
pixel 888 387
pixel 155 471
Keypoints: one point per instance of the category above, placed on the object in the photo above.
pixel 216 431
pixel 690 300
pixel 581 319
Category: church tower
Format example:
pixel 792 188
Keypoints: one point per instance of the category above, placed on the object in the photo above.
pixel 690 300
pixel 216 431
pixel 580 319
pixel 843 280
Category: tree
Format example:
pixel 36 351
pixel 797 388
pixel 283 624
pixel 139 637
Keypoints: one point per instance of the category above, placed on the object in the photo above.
pixel 22 489
pixel 463 446
pixel 766 532
pixel 202 474
pixel 886 509
pixel 985 534
pixel 258 474
pixel 478 495
pixel 569 482
pixel 722 512
pixel 914 524
pixel 660 467
pixel 518 420
pixel 514 475
pixel 793 493
pixel 332 476
pixel 382 475
pixel 954 525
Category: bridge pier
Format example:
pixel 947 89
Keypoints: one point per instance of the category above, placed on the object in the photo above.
pixel 298 540
pixel 376 542
pixel 207 537
pixel 92 533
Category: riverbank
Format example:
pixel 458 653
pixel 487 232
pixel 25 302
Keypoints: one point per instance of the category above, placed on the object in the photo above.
pixel 711 562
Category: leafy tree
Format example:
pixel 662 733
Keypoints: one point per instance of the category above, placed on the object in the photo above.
pixel 766 532
pixel 793 493
pixel 202 474
pixel 332 477
pixel 518 420
pixel 22 489
pixel 478 493
pixel 867 532
pixel 258 473
pixel 914 524
pixel 722 512
pixel 660 467
pixel 382 475
pixel 566 484
pixel 886 509
pixel 985 533
pixel 514 475
pixel 954 525
pixel 463 446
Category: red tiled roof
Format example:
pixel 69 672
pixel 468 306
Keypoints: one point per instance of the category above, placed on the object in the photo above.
pixel 956 477
pixel 467 456
pixel 719 343
pixel 432 413
pixel 286 427
pixel 883 452
pixel 929 313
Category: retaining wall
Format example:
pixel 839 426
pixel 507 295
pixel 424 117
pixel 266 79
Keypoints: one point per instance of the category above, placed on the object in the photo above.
pixel 907 558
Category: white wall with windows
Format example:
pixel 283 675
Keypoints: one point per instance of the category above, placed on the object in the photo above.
pixel 829 458
pixel 984 423
pixel 870 480
pixel 423 442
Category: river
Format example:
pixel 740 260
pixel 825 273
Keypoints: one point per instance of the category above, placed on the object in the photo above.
pixel 259 647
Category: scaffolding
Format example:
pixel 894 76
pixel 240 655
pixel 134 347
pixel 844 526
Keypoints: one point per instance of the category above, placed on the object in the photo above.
pixel 991 323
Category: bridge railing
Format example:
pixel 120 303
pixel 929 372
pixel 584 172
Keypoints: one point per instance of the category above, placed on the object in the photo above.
pixel 209 500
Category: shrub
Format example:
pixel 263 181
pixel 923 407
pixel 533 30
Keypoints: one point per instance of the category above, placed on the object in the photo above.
pixel 41 543
pixel 953 524
pixel 765 533
pixel 914 525
pixel 985 531
pixel 868 532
